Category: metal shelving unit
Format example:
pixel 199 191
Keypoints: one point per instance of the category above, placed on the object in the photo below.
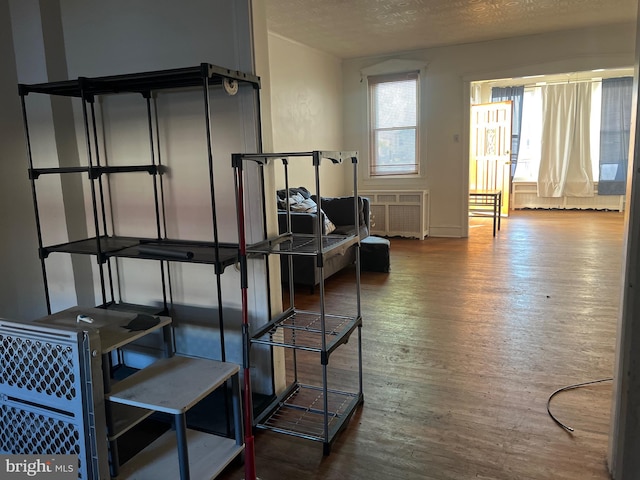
pixel 104 244
pixel 108 247
pixel 313 412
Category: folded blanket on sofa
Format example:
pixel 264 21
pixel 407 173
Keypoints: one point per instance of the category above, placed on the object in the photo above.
pixel 282 195
pixel 299 202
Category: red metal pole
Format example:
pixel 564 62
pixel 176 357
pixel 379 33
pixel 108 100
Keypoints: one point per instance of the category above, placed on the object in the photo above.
pixel 249 449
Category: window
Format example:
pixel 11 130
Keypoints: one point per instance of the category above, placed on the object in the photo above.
pixel 529 152
pixel 528 161
pixel 394 124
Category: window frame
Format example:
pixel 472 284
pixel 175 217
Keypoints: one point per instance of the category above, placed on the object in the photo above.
pixel 372 81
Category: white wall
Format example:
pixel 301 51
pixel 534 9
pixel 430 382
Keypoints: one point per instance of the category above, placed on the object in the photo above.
pixel 306 106
pixel 445 108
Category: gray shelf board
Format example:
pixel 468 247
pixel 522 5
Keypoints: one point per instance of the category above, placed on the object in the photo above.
pixel 208 456
pixel 125 418
pixel 108 323
pixel 172 385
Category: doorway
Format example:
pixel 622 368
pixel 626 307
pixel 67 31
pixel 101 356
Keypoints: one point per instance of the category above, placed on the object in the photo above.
pixel 490 151
pixel 529 168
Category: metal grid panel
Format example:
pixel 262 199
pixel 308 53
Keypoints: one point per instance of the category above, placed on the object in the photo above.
pixel 303 244
pixel 32 431
pixel 40 366
pixel 49 401
pixel 301 413
pixel 303 330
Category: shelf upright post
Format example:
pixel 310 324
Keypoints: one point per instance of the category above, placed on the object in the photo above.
pixel 294 356
pixel 249 462
pixel 101 190
pixel 354 162
pixel 214 217
pixel 320 259
pixel 22 90
pixel 285 164
pixel 87 97
pixel 159 232
pixel 356 207
pixel 166 279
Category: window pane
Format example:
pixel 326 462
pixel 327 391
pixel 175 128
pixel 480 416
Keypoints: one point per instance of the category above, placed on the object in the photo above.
pixel 395 151
pixel 530 137
pixel 395 104
pixel 394 124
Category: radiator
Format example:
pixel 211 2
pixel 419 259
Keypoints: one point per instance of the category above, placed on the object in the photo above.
pixel 399 213
pixel 525 195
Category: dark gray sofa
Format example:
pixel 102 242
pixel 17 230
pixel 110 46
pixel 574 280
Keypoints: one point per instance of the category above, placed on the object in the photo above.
pixel 341 212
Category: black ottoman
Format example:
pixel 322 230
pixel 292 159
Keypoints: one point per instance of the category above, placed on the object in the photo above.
pixel 374 254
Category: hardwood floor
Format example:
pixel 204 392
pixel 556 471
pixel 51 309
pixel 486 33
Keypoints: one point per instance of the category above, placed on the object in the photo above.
pixel 464 340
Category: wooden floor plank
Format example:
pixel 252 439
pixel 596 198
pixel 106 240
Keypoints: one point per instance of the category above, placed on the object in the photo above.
pixel 464 340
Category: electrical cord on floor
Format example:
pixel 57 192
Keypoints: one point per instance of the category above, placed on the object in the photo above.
pixel 564 389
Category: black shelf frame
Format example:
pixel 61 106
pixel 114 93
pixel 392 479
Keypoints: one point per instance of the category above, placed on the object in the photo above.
pixel 303 330
pixel 104 244
pixel 219 255
pixel 304 244
pixel 97 171
pixel 313 412
pixel 143 82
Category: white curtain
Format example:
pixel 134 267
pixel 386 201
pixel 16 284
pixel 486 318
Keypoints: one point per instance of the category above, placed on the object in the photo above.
pixel 565 164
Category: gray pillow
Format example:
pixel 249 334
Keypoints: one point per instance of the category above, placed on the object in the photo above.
pixel 340 210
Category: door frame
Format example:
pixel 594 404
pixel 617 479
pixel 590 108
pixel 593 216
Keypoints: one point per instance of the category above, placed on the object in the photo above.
pixel 505 176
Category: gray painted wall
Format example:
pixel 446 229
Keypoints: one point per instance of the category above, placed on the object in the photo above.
pixel 21 291
pixel 49 40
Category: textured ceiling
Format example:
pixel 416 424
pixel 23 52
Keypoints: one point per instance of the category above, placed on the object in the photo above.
pixel 357 28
